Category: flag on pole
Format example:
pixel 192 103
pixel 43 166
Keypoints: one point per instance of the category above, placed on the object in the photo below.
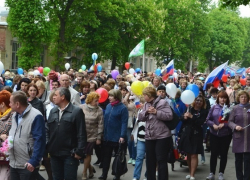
pixel 215 76
pixel 138 50
pixel 170 68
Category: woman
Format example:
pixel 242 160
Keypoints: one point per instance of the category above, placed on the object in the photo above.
pixel 183 85
pixel 115 129
pixel 191 140
pixel 32 92
pixel 94 127
pixel 84 88
pixel 230 88
pixel 131 114
pixel 158 136
pixel 23 84
pixel 220 136
pixel 234 93
pixel 93 86
pixel 5 125
pixel 238 119
pixel 43 94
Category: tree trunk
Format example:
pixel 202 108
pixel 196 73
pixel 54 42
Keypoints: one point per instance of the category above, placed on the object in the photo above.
pixel 113 63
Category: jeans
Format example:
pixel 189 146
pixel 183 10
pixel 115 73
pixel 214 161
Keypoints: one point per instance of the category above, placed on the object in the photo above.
pixel 64 167
pixel 22 174
pixel 219 146
pixel 239 159
pixel 141 152
pixel 157 153
pixel 131 144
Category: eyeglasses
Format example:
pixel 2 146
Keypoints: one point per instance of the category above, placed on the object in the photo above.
pixel 199 100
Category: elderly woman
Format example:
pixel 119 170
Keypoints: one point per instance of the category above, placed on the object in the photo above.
pixel 220 136
pixel 43 94
pixel 239 120
pixel 158 136
pixel 94 127
pixel 84 88
pixel 115 129
pixel 5 125
pixel 32 92
pixel 191 139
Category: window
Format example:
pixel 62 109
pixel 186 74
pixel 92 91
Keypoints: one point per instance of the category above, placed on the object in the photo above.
pixel 15 47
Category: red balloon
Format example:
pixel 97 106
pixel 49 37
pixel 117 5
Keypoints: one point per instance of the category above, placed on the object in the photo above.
pixel 243 81
pixel 127 65
pixel 40 69
pixel 103 93
pixel 224 78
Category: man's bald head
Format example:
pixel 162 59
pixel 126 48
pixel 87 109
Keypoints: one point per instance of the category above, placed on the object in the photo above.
pixel 64 81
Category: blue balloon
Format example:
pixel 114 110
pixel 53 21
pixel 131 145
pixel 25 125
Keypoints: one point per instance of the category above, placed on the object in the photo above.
pixel 194 88
pixel 137 70
pixel 3 72
pixel 8 83
pixel 94 56
pixel 232 73
pixel 20 71
pixel 99 68
pixel 158 72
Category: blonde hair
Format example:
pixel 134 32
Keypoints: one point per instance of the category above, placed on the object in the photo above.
pixel 242 92
pixel 111 83
pixel 150 92
pixel 92 96
pixel 40 84
pixel 52 92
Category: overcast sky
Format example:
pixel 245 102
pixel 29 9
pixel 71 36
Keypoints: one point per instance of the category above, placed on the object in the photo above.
pixel 244 10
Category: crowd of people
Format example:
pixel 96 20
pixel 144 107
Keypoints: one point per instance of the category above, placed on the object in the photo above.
pixel 57 121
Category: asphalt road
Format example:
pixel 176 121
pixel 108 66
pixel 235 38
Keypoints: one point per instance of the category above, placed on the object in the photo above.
pixel 179 173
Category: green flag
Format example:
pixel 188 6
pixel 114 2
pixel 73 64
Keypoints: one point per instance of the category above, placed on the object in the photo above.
pixel 138 50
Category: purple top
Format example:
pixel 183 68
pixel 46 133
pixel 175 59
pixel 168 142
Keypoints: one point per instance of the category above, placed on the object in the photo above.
pixel 213 118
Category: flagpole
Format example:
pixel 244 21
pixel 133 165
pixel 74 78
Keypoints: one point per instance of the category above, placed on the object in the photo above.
pixel 143 63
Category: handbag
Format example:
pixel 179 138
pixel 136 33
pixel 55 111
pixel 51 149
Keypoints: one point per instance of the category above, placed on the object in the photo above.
pixel 119 166
pixel 174 122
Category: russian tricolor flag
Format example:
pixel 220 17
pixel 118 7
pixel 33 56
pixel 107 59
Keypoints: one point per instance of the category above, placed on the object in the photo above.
pixel 241 72
pixel 215 76
pixel 170 68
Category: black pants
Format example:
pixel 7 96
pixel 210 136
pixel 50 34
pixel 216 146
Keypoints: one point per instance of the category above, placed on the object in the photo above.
pixel 219 146
pixel 98 152
pixel 108 148
pixel 241 158
pixel 157 153
pixel 22 174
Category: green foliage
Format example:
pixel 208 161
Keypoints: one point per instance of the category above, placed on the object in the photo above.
pixel 28 22
pixel 234 3
pixel 246 53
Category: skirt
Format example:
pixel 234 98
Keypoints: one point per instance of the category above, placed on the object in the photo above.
pixel 89 148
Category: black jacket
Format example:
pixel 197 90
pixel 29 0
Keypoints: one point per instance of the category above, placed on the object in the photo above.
pixel 36 103
pixel 67 134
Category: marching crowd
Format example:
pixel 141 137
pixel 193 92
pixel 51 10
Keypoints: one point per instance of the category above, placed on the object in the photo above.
pixel 57 121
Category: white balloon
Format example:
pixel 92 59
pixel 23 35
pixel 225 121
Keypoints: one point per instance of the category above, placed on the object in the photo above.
pixel 187 97
pixel 1 67
pixel 171 89
pixel 36 73
pixel 67 66
pixel 131 71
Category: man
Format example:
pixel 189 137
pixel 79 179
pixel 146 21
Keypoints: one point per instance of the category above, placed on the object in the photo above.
pixel 66 136
pixel 118 79
pixel 247 88
pixel 28 132
pixel 79 81
pixel 91 75
pixel 65 82
pixel 55 84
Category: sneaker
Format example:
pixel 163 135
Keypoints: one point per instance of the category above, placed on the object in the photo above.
pixel 188 176
pixel 202 162
pixel 210 176
pixel 220 176
pixel 145 179
pixel 134 179
pixel 130 161
pixel 42 168
pixel 192 178
pixel 133 162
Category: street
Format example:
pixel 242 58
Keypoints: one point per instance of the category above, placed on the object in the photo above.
pixel 178 173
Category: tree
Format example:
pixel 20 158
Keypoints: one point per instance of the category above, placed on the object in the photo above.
pixel 234 3
pixel 246 53
pixel 227 38
pixel 27 21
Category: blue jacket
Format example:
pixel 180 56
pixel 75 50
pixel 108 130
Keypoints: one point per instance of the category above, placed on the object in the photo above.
pixel 115 122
